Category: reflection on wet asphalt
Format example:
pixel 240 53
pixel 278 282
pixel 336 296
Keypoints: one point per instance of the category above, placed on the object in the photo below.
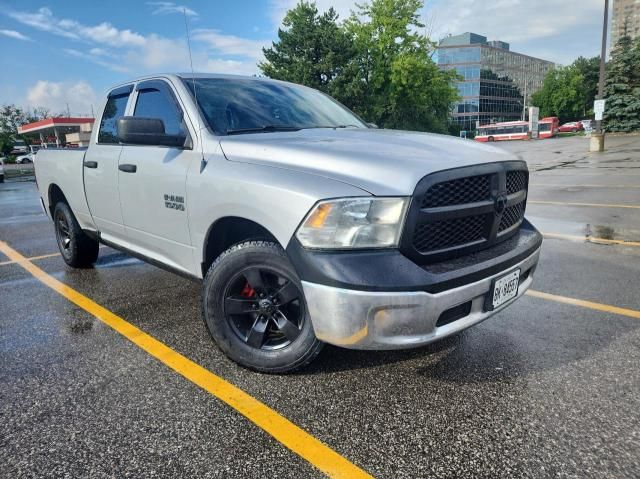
pixel 540 390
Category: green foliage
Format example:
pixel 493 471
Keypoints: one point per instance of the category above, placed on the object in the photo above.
pixel 589 68
pixel 11 117
pixel 376 63
pixel 622 88
pixel 568 92
pixel 311 48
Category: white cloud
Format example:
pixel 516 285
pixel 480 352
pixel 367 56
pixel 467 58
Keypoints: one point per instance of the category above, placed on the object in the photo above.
pixel 231 44
pixel 15 35
pixel 164 8
pixel 56 96
pixel 104 32
pixel 43 20
pixel 126 50
pixel 514 20
pixel 92 57
pixel 279 8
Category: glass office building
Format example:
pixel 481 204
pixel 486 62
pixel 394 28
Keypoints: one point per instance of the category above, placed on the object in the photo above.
pixel 494 80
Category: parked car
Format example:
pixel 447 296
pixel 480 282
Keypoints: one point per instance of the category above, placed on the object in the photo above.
pixel 19 147
pixel 305 225
pixel 572 126
pixel 24 159
pixel 2 160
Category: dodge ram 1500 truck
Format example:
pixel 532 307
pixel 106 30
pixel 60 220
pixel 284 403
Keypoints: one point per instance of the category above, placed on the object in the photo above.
pixel 305 224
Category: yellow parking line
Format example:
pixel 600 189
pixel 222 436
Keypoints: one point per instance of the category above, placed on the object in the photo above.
pixel 280 428
pixel 43 256
pixel 32 258
pixel 600 205
pixel 584 186
pixel 591 239
pixel 631 313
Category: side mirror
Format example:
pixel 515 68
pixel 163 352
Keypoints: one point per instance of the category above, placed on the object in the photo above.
pixel 146 131
pixel 372 125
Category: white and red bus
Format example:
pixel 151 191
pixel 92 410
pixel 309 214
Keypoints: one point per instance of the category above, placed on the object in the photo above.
pixel 548 127
pixel 517 130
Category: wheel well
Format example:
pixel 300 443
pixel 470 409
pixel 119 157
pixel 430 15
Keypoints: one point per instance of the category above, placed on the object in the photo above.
pixel 228 231
pixel 55 196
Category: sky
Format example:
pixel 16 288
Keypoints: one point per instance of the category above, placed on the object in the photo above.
pixel 66 54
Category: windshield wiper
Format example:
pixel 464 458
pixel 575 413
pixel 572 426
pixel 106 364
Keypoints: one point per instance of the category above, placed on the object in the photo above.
pixel 264 128
pixel 331 126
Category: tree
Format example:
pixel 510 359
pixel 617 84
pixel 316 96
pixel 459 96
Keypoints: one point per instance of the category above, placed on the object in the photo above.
pixel 622 87
pixel 376 63
pixel 11 117
pixel 589 68
pixel 563 94
pixel 391 79
pixel 312 49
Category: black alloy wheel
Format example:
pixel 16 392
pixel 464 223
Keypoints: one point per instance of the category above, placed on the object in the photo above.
pixel 254 307
pixel 264 308
pixel 63 233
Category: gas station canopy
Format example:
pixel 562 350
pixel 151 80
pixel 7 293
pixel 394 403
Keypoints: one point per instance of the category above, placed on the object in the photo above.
pixel 76 130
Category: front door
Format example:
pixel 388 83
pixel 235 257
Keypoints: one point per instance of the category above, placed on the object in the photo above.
pixel 152 182
pixel 101 169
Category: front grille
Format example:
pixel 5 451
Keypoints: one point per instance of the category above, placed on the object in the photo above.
pixel 517 181
pixel 458 191
pixel 460 211
pixel 447 233
pixel 511 216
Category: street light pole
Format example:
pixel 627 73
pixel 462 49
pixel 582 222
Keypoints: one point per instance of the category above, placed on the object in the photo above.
pixel 597 140
pixel 603 54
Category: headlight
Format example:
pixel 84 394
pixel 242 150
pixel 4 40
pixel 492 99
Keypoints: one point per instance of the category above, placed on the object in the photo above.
pixel 354 223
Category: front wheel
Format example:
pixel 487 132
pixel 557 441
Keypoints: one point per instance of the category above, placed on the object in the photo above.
pixel 77 249
pixel 254 309
pixel 491 139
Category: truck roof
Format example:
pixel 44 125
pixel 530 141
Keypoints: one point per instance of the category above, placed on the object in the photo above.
pixel 188 75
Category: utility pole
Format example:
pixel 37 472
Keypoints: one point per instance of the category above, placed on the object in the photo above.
pixel 524 100
pixel 597 139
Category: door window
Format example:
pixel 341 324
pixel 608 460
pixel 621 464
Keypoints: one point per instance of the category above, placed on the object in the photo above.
pixel 154 103
pixel 114 109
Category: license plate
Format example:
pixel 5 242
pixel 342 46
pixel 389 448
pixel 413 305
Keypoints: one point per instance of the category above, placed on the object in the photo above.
pixel 503 289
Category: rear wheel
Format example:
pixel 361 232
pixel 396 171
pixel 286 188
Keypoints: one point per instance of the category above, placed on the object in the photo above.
pixel 491 139
pixel 254 308
pixel 77 249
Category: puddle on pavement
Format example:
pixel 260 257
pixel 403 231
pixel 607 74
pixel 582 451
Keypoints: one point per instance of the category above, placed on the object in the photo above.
pixel 600 231
pixel 585 230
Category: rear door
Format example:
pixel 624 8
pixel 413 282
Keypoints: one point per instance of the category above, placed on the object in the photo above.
pixel 101 168
pixel 152 181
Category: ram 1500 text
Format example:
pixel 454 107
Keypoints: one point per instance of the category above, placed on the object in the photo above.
pixel 306 225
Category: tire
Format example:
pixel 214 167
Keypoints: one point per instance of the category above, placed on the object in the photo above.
pixel 1 178
pixel 255 335
pixel 574 131
pixel 77 249
pixel 491 139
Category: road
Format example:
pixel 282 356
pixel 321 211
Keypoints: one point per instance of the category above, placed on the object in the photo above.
pixel 549 387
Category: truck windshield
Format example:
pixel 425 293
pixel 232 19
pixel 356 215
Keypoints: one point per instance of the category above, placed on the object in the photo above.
pixel 239 106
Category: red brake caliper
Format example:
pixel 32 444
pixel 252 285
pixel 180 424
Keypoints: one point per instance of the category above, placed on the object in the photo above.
pixel 247 291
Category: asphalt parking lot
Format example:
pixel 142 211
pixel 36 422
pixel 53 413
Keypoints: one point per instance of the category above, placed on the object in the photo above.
pixel 547 388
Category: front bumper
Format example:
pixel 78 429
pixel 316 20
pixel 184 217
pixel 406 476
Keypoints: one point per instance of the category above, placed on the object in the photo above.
pixel 360 319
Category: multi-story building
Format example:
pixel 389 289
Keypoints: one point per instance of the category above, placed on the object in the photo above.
pixel 494 80
pixel 625 19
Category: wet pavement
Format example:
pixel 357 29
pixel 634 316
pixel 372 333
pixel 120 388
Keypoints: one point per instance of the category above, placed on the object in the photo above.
pixel 542 389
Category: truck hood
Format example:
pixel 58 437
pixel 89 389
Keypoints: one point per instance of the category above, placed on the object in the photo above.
pixel 381 162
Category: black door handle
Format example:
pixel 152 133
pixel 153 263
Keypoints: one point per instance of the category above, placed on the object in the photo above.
pixel 90 164
pixel 128 168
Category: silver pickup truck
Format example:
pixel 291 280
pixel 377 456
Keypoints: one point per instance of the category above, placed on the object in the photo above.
pixel 305 224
